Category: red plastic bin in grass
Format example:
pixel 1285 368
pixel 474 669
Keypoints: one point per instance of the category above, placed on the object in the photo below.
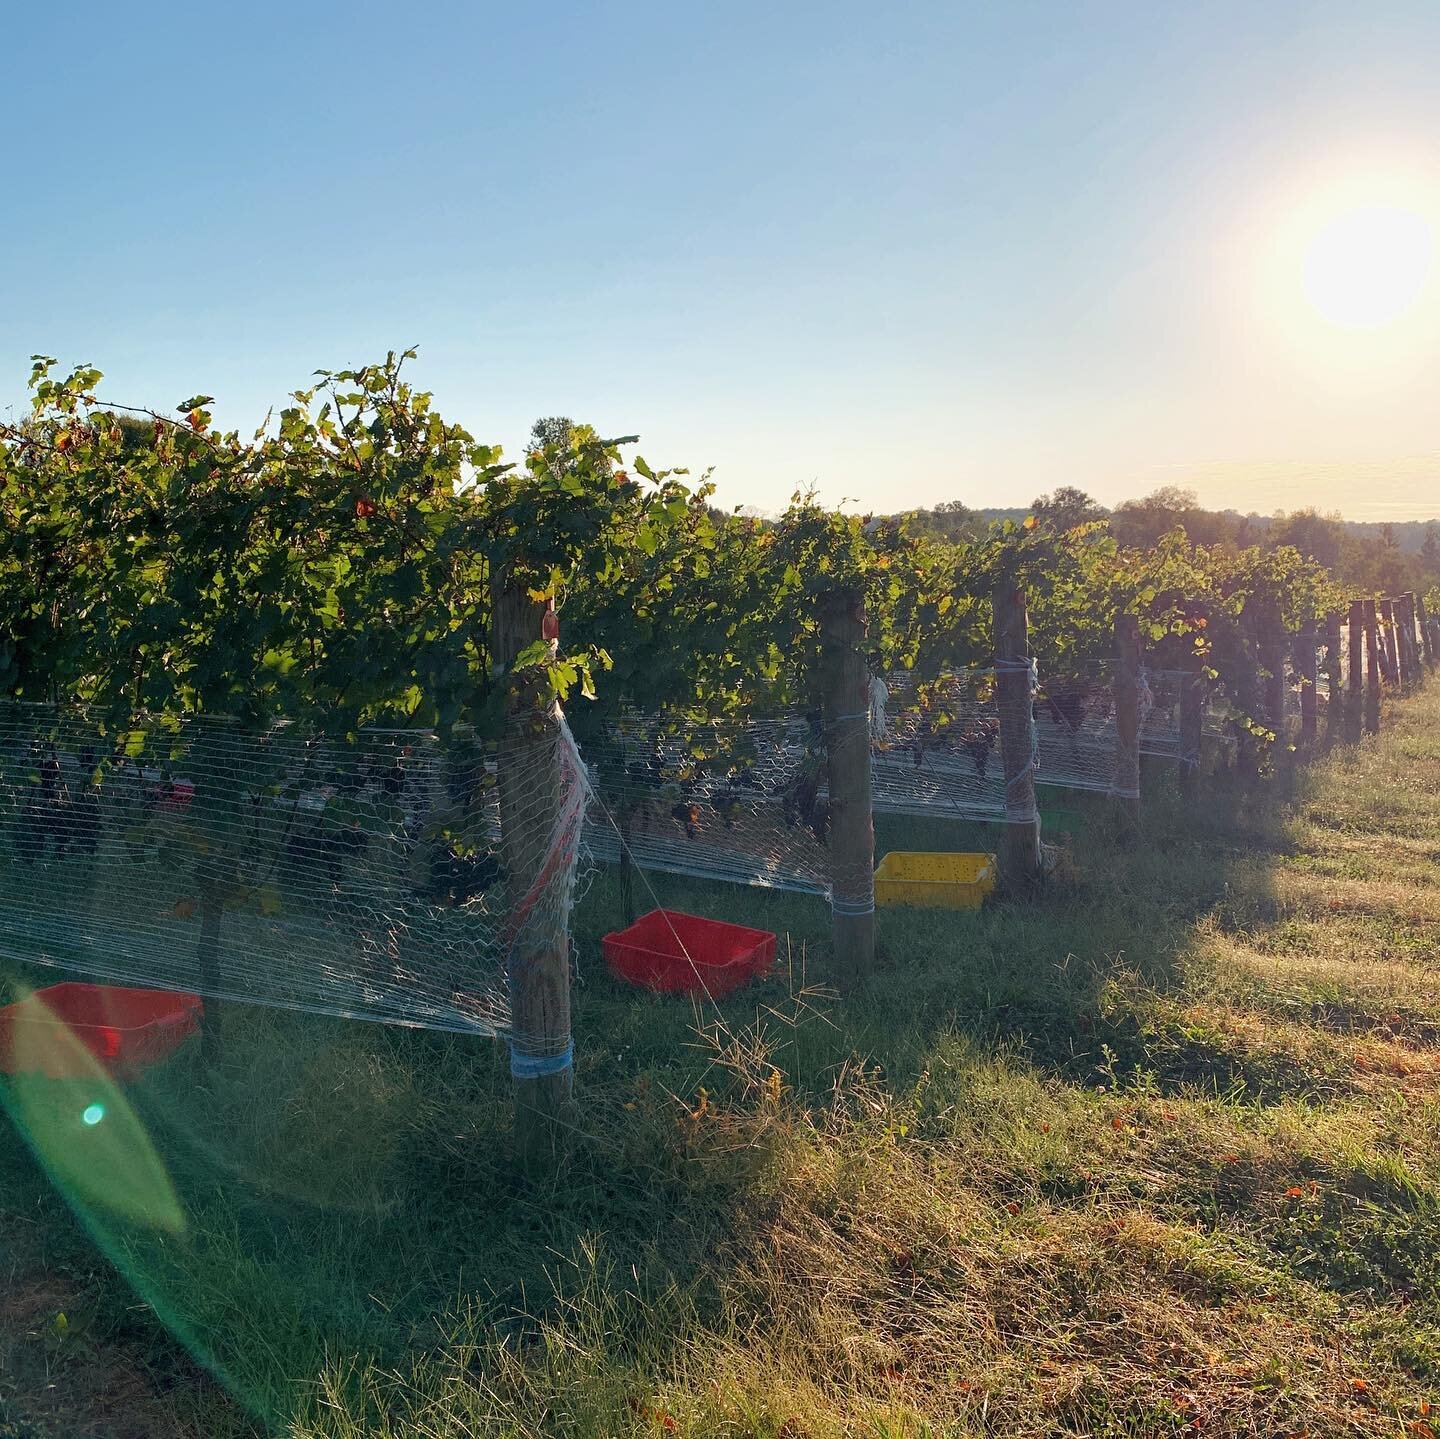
pixel 125 1030
pixel 678 953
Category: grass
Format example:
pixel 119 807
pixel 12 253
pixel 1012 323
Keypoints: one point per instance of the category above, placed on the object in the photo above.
pixel 1157 1155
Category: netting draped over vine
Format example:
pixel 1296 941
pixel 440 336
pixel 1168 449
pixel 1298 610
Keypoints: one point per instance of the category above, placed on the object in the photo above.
pixel 1076 731
pixel 937 750
pixel 1162 704
pixel 741 800
pixel 940 752
pixel 361 877
pixel 746 801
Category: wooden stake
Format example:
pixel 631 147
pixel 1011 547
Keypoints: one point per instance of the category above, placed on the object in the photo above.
pixel 1127 724
pixel 1372 669
pixel 1307 672
pixel 1334 692
pixel 1409 650
pixel 1249 692
pixel 1192 723
pixel 538 965
pixel 846 709
pixel 627 865
pixel 1356 661
pixel 1272 659
pixel 1390 668
pixel 1022 861
pixel 1426 627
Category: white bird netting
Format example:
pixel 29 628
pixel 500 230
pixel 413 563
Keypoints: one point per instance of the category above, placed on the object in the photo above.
pixel 746 801
pixel 1075 724
pixel 742 801
pixel 936 746
pixel 1162 704
pixel 365 878
pixel 940 750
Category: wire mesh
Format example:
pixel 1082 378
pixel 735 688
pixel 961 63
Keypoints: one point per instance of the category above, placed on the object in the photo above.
pixel 1162 704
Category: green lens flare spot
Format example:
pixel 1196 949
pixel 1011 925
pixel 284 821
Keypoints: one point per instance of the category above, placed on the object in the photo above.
pixel 93 1114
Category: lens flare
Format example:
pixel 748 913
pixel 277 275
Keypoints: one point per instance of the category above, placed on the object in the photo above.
pixel 110 1172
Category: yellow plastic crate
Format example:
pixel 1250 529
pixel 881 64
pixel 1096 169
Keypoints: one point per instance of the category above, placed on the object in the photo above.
pixel 934 881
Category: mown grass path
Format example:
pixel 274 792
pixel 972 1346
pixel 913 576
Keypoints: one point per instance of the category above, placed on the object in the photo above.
pixel 1159 1155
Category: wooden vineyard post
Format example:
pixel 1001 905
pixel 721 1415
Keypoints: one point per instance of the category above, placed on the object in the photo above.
pixel 1382 647
pixel 538 963
pixel 846 708
pixel 1022 861
pixel 1192 723
pixel 1249 694
pixel 1127 724
pixel 1389 644
pixel 1426 625
pixel 1356 663
pixel 1399 655
pixel 1307 672
pixel 1272 659
pixel 1334 693
pixel 1409 650
pixel 1372 669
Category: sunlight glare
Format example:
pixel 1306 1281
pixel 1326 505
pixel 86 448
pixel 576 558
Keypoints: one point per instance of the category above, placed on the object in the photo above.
pixel 1369 266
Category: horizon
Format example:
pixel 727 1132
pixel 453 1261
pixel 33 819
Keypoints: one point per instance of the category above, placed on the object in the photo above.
pixel 903 259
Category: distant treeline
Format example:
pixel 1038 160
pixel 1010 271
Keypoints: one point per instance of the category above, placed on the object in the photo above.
pixel 1374 557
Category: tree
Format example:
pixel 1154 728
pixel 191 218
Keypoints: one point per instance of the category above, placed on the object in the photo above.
pixel 1067 508
pixel 950 520
pixel 1318 537
pixel 1140 523
pixel 557 435
pixel 1430 550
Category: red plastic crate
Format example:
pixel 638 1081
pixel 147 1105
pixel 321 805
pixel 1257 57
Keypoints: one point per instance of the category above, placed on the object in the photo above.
pixel 124 1029
pixel 680 953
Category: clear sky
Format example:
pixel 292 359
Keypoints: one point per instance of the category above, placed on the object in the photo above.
pixel 907 253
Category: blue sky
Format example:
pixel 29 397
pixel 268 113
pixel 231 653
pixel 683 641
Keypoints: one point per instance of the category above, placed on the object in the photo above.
pixel 905 253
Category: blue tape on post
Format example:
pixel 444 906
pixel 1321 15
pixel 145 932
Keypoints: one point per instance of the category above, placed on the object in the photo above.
pixel 537 1066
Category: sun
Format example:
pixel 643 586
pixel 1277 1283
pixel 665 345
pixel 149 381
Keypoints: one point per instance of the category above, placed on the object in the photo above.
pixel 1368 266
